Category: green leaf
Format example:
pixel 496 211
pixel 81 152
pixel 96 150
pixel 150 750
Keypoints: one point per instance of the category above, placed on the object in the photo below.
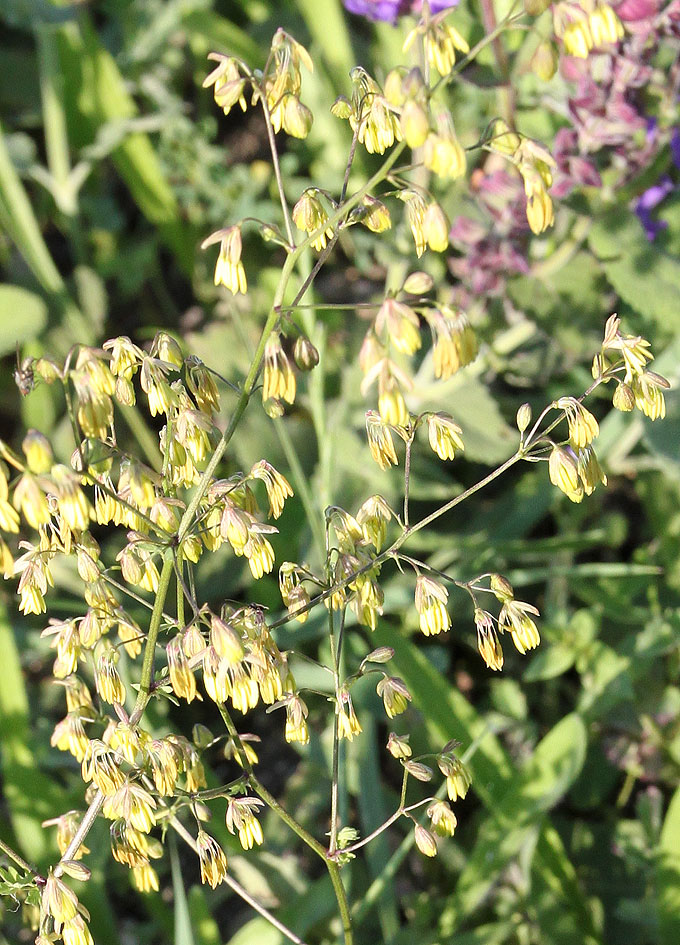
pixel 668 875
pixel 23 788
pixel 373 810
pixel 23 315
pixel 488 438
pixel 183 930
pixel 447 715
pixel 260 931
pixel 97 96
pixel 645 276
pixel 546 777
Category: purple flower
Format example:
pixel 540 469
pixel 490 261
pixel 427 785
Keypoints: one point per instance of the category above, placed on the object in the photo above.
pixel 390 10
pixel 648 201
pixel 675 147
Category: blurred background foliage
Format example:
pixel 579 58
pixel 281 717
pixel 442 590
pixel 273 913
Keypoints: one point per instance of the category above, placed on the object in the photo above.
pixel 114 165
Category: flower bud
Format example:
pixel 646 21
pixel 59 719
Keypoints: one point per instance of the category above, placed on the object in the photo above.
pixel 536 7
pixel 305 354
pixel 383 654
pixel 274 408
pixel 501 587
pixel 419 771
pixel 523 417
pixel 418 283
pixel 425 841
pixel 415 124
pixel 624 397
pixel 398 746
pixel 37 451
pixel 544 61
pixel 436 228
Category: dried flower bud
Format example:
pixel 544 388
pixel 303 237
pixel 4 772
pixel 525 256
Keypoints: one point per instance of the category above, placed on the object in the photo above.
pixel 419 771
pixel 383 654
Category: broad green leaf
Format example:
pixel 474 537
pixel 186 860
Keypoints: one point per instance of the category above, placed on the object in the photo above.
pixel 488 438
pixel 23 315
pixel 547 776
pixel 668 875
pixel 645 276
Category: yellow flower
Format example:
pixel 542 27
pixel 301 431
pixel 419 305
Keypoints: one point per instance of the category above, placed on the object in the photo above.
pixel 59 901
pixel 577 38
pixel 297 729
pixel 514 618
pixel 415 214
pixel 398 746
pixel 132 803
pixel 37 451
pixel 145 878
pixel 100 765
pixel 212 859
pixel 394 694
pixel 583 427
pixel 229 269
pixel 457 776
pixel 563 469
pixel 380 441
pixel 589 470
pixel 391 404
pixel 430 599
pixel 400 323
pixel 442 818
pixel 372 116
pixel 443 153
pixel 260 555
pixel 310 215
pixel 605 26
pixel 488 643
pixel 373 517
pixel 242 819
pixel 441 42
pixel 225 640
pixel 348 723
pixel 76 932
pixel 279 378
pixel 445 435
pixel 277 486
pixel 228 84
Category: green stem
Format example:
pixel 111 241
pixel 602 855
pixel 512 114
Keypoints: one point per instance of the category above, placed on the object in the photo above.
pixel 152 637
pixel 300 479
pixel 19 860
pixel 405 535
pixel 297 828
